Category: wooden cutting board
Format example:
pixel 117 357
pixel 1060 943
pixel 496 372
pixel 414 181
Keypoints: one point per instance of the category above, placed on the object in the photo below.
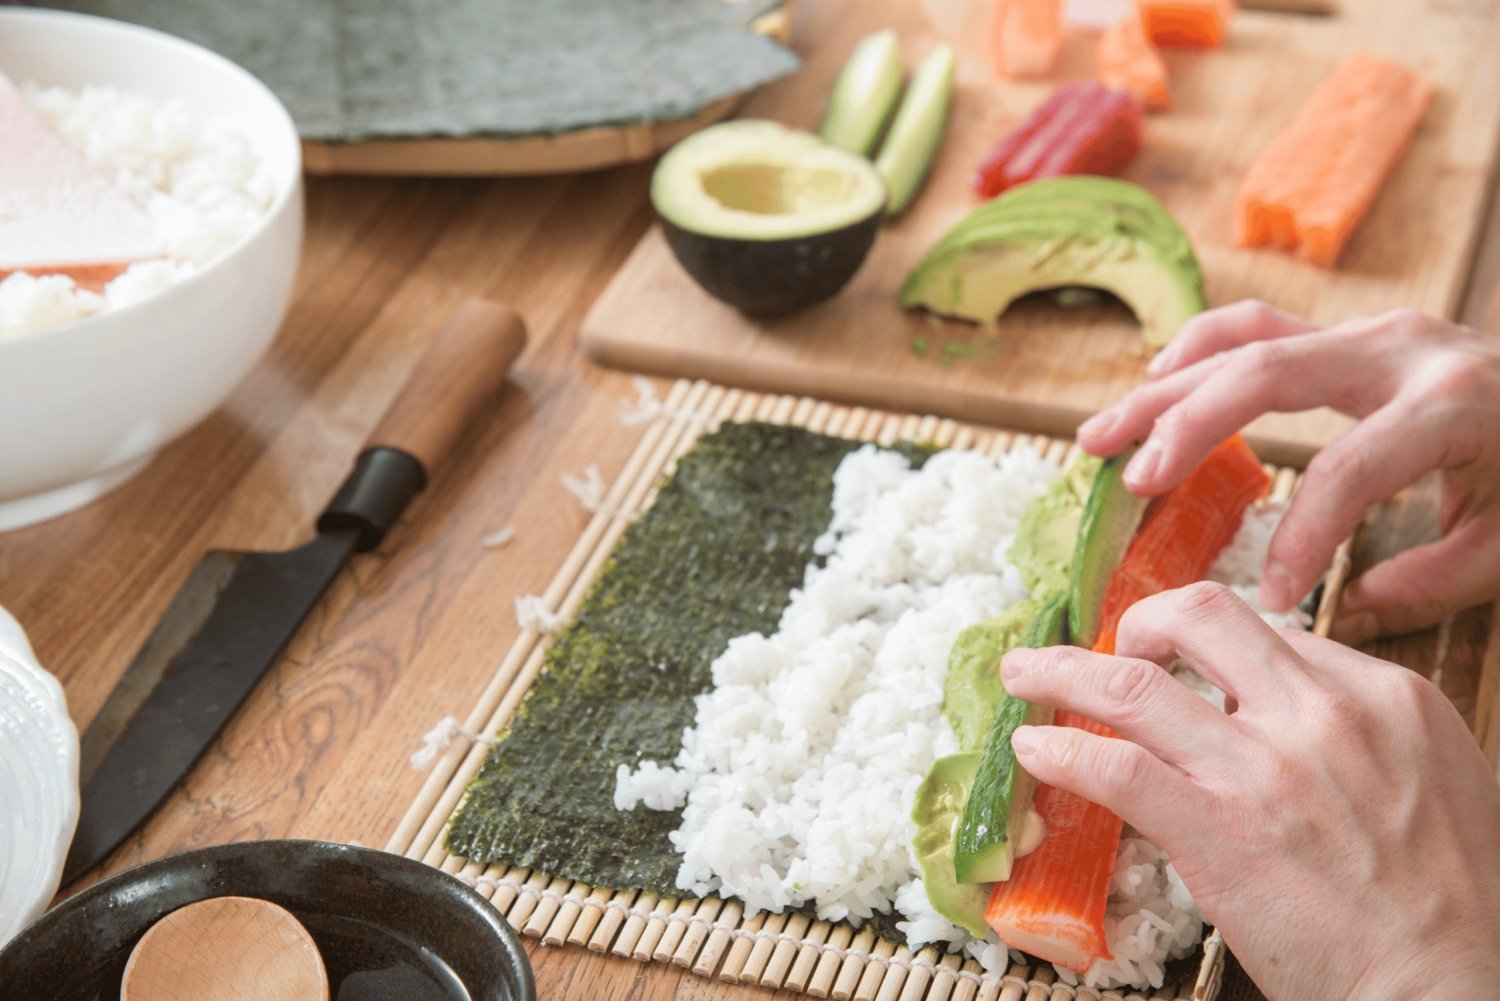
pixel 1049 368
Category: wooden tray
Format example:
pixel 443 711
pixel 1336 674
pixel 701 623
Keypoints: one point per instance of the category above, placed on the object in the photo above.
pixel 1053 368
pixel 710 937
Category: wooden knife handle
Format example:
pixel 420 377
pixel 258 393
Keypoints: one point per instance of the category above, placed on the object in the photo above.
pixel 460 372
pixel 457 375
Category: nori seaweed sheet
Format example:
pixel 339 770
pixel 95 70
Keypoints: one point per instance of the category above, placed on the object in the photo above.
pixel 351 70
pixel 718 553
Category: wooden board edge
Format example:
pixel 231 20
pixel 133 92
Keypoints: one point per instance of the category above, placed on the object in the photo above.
pixel 567 152
pixel 968 406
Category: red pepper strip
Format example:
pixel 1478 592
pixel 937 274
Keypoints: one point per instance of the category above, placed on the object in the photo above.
pixel 1083 128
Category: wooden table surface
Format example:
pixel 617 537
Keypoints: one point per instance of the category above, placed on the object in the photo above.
pixel 413 631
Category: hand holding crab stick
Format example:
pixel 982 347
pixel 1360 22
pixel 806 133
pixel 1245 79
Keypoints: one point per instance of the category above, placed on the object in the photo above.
pixel 1427 395
pixel 1344 812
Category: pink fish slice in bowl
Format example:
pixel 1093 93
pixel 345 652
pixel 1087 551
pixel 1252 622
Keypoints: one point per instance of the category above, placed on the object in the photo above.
pixel 114 339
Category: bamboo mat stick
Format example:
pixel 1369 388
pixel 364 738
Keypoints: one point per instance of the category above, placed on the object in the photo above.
pixel 873 973
pixel 779 963
pixel 754 967
pixel 805 966
pixel 697 933
pixel 718 939
pixel 822 982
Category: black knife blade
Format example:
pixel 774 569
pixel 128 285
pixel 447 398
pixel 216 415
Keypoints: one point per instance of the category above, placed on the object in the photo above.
pixel 190 676
pixel 237 611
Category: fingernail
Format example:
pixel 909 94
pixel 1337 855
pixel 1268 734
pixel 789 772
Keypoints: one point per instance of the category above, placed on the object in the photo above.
pixel 1011 667
pixel 1099 425
pixel 1275 589
pixel 1163 361
pixel 1024 741
pixel 1355 628
pixel 1142 469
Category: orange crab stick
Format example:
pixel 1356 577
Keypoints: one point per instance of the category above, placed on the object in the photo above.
pixel 1183 532
pixel 1128 61
pixel 1053 904
pixel 1188 23
pixel 1311 187
pixel 1026 36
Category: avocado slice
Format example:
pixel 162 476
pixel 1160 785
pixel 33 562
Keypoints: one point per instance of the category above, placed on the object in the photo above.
pixel 865 93
pixel 972 692
pixel 1097 232
pixel 908 149
pixel 1043 553
pixel 766 218
pixel 997 824
pixel 1110 519
pixel 939 801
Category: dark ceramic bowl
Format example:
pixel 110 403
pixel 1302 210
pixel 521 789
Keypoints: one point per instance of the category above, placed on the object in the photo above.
pixel 387 927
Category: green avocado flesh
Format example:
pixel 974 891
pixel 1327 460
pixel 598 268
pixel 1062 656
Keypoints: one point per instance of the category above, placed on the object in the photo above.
pixel 1043 553
pixel 973 696
pixel 994 827
pixel 1110 519
pixel 864 94
pixel 907 151
pixel 766 218
pixel 717 555
pixel 939 802
pixel 1066 231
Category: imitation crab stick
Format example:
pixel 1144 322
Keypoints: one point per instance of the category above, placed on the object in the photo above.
pixel 1026 36
pixel 1128 61
pixel 1053 904
pixel 1198 24
pixel 1314 183
pixel 1185 530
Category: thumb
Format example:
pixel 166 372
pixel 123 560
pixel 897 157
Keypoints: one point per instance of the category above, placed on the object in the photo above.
pixel 1421 587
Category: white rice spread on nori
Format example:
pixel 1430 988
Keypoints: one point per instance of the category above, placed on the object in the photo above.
pixel 799 775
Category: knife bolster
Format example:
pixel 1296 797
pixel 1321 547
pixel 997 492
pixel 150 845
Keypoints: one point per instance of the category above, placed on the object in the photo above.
pixel 373 496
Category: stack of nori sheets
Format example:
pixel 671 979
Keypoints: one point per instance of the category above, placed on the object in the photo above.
pixel 351 70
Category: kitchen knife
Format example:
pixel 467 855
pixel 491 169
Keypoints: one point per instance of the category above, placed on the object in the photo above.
pixel 236 611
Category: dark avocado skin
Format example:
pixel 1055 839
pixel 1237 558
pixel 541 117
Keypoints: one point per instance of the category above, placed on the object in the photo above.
pixel 774 277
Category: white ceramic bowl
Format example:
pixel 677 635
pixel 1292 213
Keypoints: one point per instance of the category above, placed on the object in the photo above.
pixel 85 406
pixel 38 781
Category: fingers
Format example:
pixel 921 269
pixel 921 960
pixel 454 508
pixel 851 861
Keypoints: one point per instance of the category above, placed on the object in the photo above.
pixel 1134 697
pixel 1386 452
pixel 1184 415
pixel 1219 635
pixel 1420 587
pixel 1222 329
pixel 1121 776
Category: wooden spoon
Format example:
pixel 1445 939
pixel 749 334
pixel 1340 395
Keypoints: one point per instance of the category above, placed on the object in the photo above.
pixel 226 949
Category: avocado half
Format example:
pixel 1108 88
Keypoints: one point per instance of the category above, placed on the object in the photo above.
pixel 766 218
pixel 1097 232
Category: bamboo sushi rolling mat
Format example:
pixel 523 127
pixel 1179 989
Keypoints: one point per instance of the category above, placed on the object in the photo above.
pixel 710 936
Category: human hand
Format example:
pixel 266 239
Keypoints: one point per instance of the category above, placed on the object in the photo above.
pixel 1341 828
pixel 1427 393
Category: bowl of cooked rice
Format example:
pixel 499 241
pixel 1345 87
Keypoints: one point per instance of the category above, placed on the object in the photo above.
pixel 150 227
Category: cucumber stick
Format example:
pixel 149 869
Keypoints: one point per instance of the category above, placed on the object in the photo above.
pixel 997 821
pixel 1110 517
pixel 913 139
pixel 865 93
